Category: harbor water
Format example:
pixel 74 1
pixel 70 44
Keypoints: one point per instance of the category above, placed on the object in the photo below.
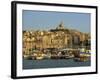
pixel 53 63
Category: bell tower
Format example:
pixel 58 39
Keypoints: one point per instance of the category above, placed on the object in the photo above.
pixel 60 26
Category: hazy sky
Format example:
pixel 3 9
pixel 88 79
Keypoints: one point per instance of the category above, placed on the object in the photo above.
pixel 43 20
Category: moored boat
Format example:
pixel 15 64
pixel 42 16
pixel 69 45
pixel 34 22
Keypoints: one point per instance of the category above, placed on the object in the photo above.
pixel 83 56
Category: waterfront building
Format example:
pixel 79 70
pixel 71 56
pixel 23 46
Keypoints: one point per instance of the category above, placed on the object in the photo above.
pixel 59 37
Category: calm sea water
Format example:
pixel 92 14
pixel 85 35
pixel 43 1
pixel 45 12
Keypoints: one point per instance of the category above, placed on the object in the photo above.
pixel 53 63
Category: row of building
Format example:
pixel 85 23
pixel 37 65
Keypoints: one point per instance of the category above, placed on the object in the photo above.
pixel 54 38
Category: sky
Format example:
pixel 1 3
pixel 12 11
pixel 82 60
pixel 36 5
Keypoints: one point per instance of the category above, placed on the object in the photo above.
pixel 46 20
